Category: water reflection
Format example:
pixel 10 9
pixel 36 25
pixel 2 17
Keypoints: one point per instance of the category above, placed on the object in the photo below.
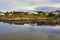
pixel 17 22
pixel 28 32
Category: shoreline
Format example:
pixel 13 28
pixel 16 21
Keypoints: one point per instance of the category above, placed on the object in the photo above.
pixel 23 21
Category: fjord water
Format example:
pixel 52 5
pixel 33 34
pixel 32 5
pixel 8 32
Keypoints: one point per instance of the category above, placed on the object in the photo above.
pixel 28 32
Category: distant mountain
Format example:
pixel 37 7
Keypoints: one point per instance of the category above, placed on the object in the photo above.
pixel 46 9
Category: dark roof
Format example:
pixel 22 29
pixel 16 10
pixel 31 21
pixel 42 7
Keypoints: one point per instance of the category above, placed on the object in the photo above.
pixel 57 11
pixel 18 12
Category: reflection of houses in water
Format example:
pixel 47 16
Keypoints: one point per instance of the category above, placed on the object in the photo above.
pixel 27 24
pixel 43 19
pixel 33 21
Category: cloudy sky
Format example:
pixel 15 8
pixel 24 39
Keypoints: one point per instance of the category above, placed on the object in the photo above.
pixel 24 5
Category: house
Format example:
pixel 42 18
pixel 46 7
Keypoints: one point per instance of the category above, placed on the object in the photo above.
pixel 33 12
pixel 46 13
pixel 2 13
pixel 18 12
pixel 56 12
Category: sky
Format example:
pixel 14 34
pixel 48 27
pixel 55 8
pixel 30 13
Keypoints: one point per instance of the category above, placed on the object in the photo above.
pixel 27 5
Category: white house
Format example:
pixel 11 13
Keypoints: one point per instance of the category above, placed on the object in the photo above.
pixel 56 12
pixel 32 12
pixel 2 13
pixel 46 13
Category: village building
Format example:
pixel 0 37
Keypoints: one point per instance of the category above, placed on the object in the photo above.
pixel 46 13
pixel 2 13
pixel 18 12
pixel 56 12
pixel 32 12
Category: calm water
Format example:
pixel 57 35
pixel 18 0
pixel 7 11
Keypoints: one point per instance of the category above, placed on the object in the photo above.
pixel 28 32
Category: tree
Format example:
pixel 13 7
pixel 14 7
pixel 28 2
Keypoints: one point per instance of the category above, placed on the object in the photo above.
pixel 40 12
pixel 51 14
pixel 26 13
pixel 7 13
pixel 58 15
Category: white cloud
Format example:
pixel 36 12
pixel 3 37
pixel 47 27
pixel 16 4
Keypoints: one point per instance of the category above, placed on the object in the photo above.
pixel 13 5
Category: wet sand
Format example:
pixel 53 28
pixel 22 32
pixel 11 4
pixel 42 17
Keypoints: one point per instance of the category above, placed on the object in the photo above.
pixel 29 36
